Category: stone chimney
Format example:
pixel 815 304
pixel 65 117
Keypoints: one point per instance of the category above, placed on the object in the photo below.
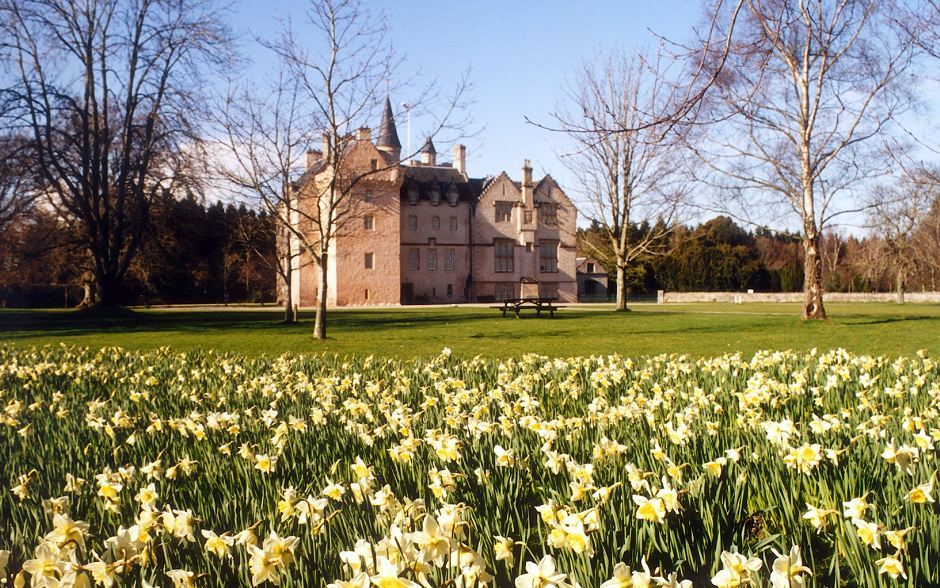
pixel 313 156
pixel 364 134
pixel 326 145
pixel 460 158
pixel 527 196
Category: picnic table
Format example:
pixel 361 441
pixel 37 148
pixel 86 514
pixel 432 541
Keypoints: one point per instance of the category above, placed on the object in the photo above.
pixel 518 304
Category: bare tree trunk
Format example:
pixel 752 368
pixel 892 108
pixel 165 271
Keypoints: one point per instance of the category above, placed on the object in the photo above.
pixel 812 278
pixel 899 285
pixel 319 326
pixel 290 313
pixel 621 288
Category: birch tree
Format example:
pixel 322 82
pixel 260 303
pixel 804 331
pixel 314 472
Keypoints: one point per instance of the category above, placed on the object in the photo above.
pixel 806 100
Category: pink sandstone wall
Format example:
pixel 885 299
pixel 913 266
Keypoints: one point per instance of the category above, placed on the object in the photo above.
pixel 432 285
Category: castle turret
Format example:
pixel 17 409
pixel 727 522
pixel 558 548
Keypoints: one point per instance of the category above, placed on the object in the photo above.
pixel 388 140
pixel 429 153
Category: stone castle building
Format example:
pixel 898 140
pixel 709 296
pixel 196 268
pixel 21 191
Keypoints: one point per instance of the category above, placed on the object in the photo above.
pixel 426 232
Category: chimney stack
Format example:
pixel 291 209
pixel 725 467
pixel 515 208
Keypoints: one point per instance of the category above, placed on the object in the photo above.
pixel 312 157
pixel 460 158
pixel 364 134
pixel 527 196
pixel 326 145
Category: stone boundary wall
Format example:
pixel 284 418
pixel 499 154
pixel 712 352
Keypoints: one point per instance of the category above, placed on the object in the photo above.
pixel 663 297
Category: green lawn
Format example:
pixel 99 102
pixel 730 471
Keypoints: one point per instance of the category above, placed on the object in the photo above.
pixel 700 330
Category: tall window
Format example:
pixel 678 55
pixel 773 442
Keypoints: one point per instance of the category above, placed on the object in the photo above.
pixel 414 259
pixel 368 222
pixel 453 223
pixel 548 214
pixel 503 250
pixel 548 256
pixel 503 212
pixel 527 217
pixel 369 261
pixel 548 290
pixel 413 194
pixel 412 222
pixel 435 196
pixel 432 259
pixel 435 222
pixel 369 196
pixel 449 259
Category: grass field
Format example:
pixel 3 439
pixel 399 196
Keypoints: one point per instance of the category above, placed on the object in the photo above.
pixel 699 330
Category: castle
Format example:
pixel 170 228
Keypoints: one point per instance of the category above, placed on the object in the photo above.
pixel 426 232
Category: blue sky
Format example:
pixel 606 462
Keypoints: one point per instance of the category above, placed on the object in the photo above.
pixel 519 55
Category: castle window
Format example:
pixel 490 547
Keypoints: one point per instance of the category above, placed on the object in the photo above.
pixel 452 196
pixel 435 196
pixel 449 259
pixel 590 267
pixel 548 214
pixel 413 195
pixel 503 253
pixel 368 222
pixel 435 222
pixel 503 212
pixel 374 164
pixel 412 222
pixel 527 217
pixel 432 259
pixel 505 290
pixel 453 223
pixel 414 259
pixel 450 290
pixel 369 261
pixel 548 290
pixel 548 257
pixel 369 196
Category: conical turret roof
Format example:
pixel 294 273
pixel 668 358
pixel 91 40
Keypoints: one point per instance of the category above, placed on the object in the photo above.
pixel 388 133
pixel 429 147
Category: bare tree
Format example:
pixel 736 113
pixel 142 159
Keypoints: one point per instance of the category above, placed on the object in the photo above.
pixel 343 66
pixel 265 132
pixel 805 101
pixel 631 177
pixel 897 215
pixel 17 186
pixel 106 91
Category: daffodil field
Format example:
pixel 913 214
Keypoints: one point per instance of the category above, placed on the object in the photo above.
pixel 180 469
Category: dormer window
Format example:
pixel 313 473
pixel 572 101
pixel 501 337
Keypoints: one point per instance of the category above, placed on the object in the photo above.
pixel 452 195
pixel 412 194
pixel 435 196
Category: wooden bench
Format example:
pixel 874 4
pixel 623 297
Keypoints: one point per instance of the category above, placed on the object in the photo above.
pixel 519 304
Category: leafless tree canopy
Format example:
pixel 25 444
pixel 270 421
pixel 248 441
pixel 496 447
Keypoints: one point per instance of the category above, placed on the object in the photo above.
pixel 630 177
pixel 901 216
pixel 107 92
pixel 804 105
pixel 339 67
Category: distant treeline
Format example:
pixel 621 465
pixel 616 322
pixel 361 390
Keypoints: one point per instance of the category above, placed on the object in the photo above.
pixel 721 256
pixel 193 253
